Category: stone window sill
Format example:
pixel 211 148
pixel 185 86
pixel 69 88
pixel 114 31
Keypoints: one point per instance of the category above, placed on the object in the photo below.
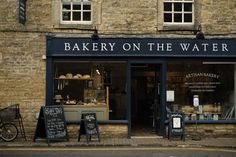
pixel 74 26
pixel 170 27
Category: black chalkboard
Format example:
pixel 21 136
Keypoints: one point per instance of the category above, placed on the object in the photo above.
pixel 176 125
pixel 89 126
pixel 51 123
pixel 55 124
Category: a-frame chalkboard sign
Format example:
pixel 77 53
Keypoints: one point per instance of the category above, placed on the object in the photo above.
pixel 176 125
pixel 51 124
pixel 89 126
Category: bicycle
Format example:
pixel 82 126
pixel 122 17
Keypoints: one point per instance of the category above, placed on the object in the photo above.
pixel 8 131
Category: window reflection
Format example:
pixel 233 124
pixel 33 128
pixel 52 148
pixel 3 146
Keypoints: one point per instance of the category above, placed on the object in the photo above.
pixel 212 84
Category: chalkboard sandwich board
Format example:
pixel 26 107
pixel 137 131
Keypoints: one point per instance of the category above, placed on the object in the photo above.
pixel 176 125
pixel 89 126
pixel 51 124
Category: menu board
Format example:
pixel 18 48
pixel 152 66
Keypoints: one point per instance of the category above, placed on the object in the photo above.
pixel 55 125
pixel 51 124
pixel 176 125
pixel 89 126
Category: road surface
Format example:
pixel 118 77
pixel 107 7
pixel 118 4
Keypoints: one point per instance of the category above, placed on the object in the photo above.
pixel 116 152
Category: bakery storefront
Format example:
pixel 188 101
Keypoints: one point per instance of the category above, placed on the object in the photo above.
pixel 136 81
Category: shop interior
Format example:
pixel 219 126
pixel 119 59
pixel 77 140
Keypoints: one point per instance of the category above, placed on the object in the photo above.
pixel 145 101
pixel 86 86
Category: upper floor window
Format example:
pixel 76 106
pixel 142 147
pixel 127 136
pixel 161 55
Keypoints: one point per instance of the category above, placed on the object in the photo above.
pixel 76 11
pixel 178 11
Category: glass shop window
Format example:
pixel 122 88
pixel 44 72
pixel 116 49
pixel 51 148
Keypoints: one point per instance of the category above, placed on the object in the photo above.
pixel 76 11
pixel 178 11
pixel 202 90
pixel 98 87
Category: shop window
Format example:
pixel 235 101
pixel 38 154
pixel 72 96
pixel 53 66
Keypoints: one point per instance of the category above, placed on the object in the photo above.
pixel 76 12
pixel 178 12
pixel 98 87
pixel 202 90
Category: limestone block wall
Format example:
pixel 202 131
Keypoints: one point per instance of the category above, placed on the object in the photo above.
pixel 132 17
pixel 113 17
pixel 211 130
pixel 106 131
pixel 22 73
pixel 38 15
pixel 218 16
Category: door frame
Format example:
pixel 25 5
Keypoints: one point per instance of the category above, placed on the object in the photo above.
pixel 163 73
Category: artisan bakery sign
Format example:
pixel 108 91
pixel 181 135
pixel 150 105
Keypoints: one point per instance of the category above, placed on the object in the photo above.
pixel 141 47
pixel 202 81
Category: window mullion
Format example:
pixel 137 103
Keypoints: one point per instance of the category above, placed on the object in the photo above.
pixel 172 12
pixel 193 10
pixel 71 11
pixel 82 11
pixel 182 13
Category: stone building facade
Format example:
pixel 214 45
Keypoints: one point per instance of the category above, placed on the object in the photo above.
pixel 23 46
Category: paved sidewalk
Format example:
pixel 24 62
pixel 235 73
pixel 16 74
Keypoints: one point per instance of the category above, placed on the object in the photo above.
pixel 229 143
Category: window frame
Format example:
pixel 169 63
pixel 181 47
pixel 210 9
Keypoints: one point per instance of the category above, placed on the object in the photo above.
pixel 182 12
pixel 71 10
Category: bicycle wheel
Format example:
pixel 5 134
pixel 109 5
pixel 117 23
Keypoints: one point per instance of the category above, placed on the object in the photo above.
pixel 9 132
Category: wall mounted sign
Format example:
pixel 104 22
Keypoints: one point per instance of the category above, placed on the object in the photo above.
pixel 170 96
pixel 195 100
pixel 22 11
pixel 140 47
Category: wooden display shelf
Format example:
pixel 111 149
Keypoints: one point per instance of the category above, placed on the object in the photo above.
pixel 198 113
pixel 74 79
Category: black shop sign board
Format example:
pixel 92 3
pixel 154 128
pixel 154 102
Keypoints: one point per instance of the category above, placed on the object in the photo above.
pixel 89 126
pixel 51 124
pixel 22 11
pixel 176 125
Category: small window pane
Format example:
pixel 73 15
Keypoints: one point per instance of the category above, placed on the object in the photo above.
pixel 188 18
pixel 167 17
pixel 188 7
pixel 167 6
pixel 66 16
pixel 87 7
pixel 76 16
pixel 77 7
pixel 177 6
pixel 66 6
pixel 177 17
pixel 87 16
